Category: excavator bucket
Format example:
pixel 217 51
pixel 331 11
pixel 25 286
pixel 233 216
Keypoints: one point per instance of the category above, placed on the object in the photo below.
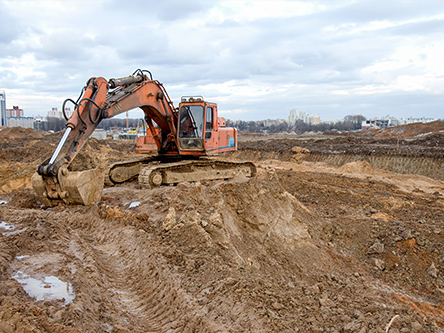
pixel 79 187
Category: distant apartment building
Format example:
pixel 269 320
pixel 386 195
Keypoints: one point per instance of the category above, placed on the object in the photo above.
pixel 25 122
pixel 14 112
pixel 314 119
pixel 375 123
pixel 273 122
pixel 55 113
pixel 294 116
pixel 3 108
pixel 388 121
pixel 13 117
pixel 39 123
pixel 411 120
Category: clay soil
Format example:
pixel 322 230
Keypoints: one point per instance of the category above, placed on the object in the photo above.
pixel 336 233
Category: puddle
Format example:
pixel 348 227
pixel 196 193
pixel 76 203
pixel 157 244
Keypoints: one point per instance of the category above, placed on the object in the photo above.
pixel 49 289
pixel 134 204
pixel 22 257
pixel 6 226
pixel 9 229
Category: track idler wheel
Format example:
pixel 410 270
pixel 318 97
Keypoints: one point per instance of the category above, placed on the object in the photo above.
pixel 155 178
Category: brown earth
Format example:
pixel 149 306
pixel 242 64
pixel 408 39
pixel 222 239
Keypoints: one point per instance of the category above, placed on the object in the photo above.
pixel 319 241
pixel 409 130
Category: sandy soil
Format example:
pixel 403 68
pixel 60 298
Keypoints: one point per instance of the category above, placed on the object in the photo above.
pixel 312 244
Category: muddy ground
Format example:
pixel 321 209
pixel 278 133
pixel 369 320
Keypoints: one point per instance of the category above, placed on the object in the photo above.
pixel 326 238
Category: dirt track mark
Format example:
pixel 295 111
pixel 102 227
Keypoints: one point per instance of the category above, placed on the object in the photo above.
pixel 135 285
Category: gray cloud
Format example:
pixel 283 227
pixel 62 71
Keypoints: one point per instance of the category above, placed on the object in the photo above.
pixel 10 28
pixel 380 10
pixel 166 10
pixel 418 28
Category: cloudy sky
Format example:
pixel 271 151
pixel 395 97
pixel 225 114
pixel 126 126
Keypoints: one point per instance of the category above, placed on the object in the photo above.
pixel 257 59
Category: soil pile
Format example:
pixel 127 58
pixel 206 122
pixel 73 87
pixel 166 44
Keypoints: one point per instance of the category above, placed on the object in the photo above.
pixel 15 134
pixel 303 247
pixel 409 130
pixel 423 155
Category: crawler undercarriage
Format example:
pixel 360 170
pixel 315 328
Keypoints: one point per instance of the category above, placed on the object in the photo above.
pixel 152 172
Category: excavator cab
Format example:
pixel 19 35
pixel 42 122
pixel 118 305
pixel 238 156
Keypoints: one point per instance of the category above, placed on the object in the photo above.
pixel 191 121
pixel 200 130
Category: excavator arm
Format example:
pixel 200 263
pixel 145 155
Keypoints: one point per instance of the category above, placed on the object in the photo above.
pixel 102 99
pixel 152 98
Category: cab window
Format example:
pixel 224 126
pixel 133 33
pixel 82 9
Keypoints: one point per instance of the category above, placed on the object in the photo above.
pixel 191 121
pixel 209 120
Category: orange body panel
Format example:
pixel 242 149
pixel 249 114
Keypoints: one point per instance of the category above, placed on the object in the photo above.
pixel 222 140
pixel 146 144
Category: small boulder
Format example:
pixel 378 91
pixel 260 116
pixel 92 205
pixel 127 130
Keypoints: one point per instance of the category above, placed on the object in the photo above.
pixel 406 234
pixel 377 248
pixel 299 150
pixel 433 271
pixel 378 263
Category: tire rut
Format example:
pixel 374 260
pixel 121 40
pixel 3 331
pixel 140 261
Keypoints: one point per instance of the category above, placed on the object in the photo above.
pixel 139 287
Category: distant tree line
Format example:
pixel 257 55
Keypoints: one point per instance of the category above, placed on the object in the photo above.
pixel 108 124
pixel 349 123
pixel 53 124
pixel 257 126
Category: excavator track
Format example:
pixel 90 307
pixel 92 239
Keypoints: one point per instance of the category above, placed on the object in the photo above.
pixel 192 171
pixel 121 172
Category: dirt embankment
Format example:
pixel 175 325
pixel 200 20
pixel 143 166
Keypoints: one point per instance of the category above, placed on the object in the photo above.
pixel 418 155
pixel 303 247
pixel 409 130
pixel 430 146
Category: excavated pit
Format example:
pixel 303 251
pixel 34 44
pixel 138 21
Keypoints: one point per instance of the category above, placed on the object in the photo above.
pixel 321 245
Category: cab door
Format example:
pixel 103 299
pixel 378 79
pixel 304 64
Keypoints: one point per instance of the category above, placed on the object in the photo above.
pixel 191 124
pixel 210 128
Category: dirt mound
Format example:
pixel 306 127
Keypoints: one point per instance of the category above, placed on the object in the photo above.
pixel 409 130
pixel 432 140
pixel 11 134
pixel 359 167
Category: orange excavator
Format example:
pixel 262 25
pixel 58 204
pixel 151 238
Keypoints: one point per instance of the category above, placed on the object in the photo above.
pixel 185 138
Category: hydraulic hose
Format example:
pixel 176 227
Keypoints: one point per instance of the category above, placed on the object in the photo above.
pixel 99 113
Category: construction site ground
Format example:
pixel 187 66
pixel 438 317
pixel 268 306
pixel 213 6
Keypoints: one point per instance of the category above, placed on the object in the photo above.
pixel 336 233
